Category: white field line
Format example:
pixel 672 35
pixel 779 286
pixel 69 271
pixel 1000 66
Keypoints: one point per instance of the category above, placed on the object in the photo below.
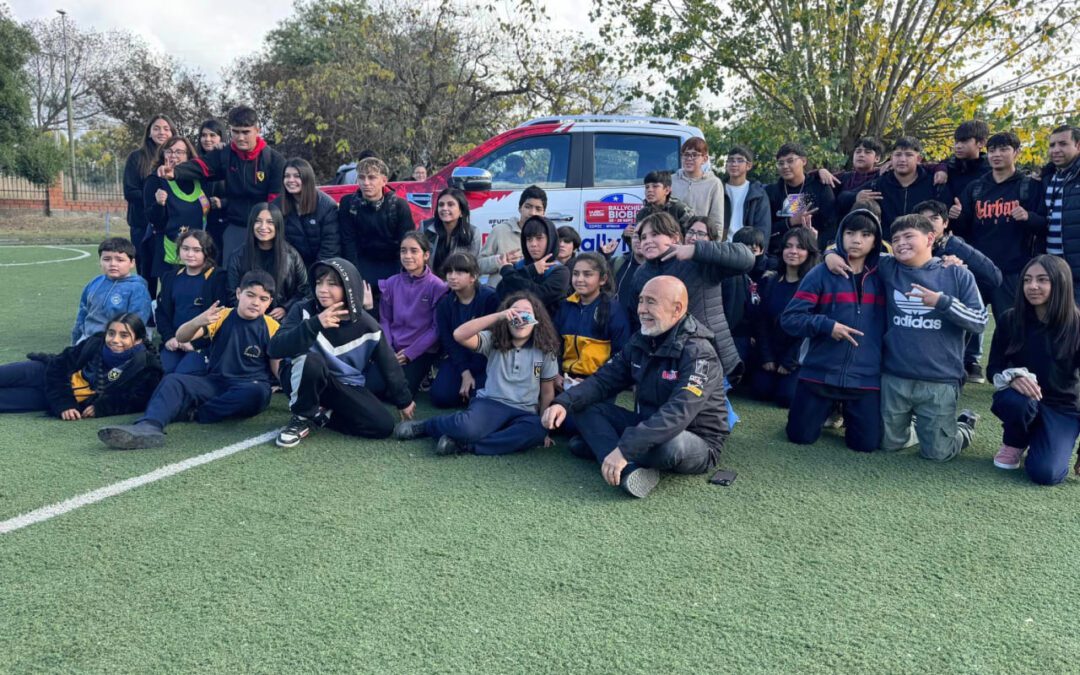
pixel 85 499
pixel 82 254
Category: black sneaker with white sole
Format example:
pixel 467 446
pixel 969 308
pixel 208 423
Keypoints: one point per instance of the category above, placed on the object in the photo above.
pixel 966 421
pixel 640 481
pixel 298 428
pixel 974 374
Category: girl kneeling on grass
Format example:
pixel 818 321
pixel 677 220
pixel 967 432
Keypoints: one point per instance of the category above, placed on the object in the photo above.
pixel 185 294
pixel 463 371
pixel 520 343
pixel 1035 366
pixel 407 312
pixel 111 373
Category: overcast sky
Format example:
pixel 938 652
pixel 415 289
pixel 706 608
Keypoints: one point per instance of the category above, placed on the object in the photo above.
pixel 201 33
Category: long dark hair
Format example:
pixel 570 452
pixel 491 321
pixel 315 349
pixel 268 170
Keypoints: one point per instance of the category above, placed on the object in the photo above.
pixel 215 126
pixel 464 232
pixel 806 240
pixel 206 242
pixel 149 150
pixel 1062 316
pixel 309 197
pixel 280 246
pixel 133 322
pixel 544 336
pixel 607 287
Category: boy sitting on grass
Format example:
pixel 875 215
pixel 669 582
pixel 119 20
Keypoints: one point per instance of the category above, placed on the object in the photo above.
pixel 930 309
pixel 240 370
pixel 118 290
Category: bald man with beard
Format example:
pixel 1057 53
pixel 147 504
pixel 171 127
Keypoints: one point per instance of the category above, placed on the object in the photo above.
pixel 679 422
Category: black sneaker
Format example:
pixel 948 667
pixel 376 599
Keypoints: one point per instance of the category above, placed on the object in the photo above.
pixel 640 481
pixel 579 448
pixel 448 446
pixel 974 374
pixel 322 418
pixel 406 431
pixel 132 436
pixel 295 431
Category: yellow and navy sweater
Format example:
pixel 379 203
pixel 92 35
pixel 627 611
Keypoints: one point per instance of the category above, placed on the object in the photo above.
pixel 591 333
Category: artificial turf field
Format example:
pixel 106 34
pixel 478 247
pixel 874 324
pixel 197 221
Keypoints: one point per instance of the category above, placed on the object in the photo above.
pixel 347 555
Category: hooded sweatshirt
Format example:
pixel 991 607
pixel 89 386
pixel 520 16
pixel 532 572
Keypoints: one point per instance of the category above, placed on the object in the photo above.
pixel 985 220
pixel 349 348
pixel 551 287
pixel 105 298
pixel 825 299
pixel 897 200
pixel 704 196
pixel 407 311
pixel 927 343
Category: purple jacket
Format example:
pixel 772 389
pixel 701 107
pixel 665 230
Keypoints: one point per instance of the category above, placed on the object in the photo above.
pixel 407 311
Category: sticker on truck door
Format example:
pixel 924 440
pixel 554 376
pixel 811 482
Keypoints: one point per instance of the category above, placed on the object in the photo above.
pixel 612 212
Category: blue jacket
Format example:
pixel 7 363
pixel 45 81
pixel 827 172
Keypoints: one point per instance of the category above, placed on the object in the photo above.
pixel 103 299
pixel 825 299
pixel 589 340
pixel 987 274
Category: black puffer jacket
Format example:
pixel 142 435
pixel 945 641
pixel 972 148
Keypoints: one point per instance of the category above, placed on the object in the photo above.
pixel 713 262
pixel 1070 214
pixel 292 288
pixel 125 389
pixel 315 235
pixel 678 387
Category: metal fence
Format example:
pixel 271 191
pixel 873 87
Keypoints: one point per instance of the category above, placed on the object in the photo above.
pixel 92 181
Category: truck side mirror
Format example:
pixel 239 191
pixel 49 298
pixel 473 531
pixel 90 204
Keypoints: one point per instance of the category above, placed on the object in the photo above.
pixel 471 179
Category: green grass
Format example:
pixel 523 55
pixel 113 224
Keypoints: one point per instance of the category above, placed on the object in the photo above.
pixel 347 555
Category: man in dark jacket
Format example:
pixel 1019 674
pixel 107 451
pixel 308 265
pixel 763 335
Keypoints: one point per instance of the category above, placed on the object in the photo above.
pixel 330 343
pixel 1062 198
pixel 701 266
pixel 679 421
pixel 252 172
pixel 746 205
pixel 907 184
pixel 372 222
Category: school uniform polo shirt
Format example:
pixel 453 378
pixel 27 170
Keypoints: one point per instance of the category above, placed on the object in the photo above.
pixel 514 376
pixel 239 349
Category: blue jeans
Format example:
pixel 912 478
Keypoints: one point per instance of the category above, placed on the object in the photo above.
pixel 213 398
pixel 862 417
pixel 22 387
pixel 1048 434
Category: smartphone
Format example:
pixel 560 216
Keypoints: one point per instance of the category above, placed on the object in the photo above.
pixel 723 477
pixel 523 319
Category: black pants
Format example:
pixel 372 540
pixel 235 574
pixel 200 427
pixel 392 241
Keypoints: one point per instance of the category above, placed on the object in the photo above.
pixel 356 410
pixel 602 424
pixel 22 387
pixel 415 371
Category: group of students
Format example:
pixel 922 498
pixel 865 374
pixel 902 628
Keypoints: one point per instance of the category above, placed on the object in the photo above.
pixel 350 309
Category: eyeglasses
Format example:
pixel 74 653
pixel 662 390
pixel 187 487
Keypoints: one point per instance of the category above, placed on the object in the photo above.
pixel 787 161
pixel 176 152
pixel 697 234
pixel 692 155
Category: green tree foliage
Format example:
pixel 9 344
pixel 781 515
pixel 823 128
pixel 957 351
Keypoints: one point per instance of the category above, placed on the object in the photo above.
pixel 835 70
pixel 415 83
pixel 23 151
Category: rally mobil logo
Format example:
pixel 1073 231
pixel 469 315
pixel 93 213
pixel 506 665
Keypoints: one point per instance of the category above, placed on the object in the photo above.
pixel 913 309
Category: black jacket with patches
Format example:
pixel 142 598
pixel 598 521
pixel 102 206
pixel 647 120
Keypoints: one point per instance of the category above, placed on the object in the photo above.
pixel 712 263
pixel 301 329
pixel 126 392
pixel 551 287
pixel 678 387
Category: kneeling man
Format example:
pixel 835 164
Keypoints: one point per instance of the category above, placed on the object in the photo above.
pixel 679 421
